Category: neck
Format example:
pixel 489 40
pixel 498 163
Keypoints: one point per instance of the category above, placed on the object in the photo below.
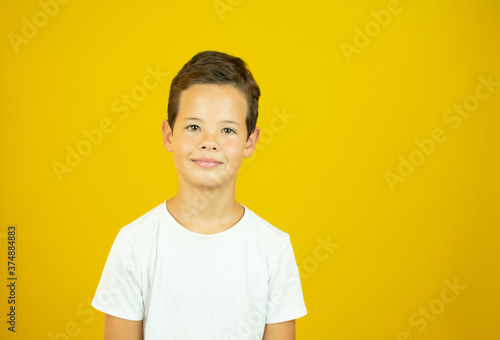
pixel 205 210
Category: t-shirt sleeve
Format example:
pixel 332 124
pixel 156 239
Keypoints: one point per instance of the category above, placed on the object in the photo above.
pixel 285 300
pixel 119 292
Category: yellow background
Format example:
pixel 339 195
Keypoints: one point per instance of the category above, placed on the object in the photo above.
pixel 319 174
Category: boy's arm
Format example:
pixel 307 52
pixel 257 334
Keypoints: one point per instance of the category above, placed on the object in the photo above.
pixel 121 329
pixel 280 331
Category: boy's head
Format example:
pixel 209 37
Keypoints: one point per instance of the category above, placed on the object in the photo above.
pixel 211 67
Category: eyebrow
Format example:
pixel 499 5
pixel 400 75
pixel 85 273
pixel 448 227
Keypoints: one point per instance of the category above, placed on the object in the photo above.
pixel 223 121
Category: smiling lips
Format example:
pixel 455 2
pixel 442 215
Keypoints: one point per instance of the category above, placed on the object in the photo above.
pixel 206 163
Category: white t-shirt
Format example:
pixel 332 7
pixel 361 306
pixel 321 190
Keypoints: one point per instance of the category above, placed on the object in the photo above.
pixel 190 286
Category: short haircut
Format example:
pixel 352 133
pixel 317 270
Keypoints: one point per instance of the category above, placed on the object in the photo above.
pixel 212 67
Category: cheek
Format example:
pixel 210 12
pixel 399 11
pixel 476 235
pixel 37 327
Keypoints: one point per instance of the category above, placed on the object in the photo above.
pixel 182 148
pixel 234 150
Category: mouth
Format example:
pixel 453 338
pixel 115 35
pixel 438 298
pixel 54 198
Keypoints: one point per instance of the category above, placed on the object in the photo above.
pixel 206 163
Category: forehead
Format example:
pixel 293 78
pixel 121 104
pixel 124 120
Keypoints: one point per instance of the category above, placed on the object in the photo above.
pixel 212 101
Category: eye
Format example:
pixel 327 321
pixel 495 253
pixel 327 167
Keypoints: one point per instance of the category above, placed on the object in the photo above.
pixel 228 130
pixel 193 128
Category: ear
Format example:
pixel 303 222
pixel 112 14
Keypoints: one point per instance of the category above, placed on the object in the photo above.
pixel 251 143
pixel 167 136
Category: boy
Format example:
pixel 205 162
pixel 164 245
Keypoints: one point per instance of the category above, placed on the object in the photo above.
pixel 201 266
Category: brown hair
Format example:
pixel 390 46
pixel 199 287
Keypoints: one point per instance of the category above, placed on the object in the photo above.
pixel 212 67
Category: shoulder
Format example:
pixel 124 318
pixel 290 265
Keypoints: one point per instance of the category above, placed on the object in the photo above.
pixel 144 227
pixel 272 236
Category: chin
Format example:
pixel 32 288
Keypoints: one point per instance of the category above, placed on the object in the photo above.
pixel 213 179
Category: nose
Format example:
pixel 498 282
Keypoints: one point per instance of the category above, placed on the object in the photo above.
pixel 209 142
pixel 209 146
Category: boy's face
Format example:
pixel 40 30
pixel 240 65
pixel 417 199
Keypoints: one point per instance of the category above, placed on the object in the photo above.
pixel 209 139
